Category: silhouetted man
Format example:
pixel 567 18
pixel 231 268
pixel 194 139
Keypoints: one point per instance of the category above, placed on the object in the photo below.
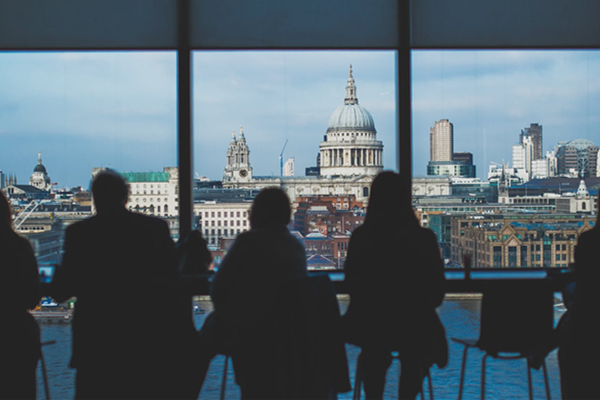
pixel 579 351
pixel 120 267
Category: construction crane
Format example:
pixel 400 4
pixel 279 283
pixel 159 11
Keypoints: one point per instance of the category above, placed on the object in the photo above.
pixel 281 158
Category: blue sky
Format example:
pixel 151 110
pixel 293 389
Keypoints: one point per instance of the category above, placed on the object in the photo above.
pixel 118 110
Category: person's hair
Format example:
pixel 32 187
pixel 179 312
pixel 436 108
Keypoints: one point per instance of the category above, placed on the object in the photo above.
pixel 270 208
pixel 5 214
pixel 109 190
pixel 390 201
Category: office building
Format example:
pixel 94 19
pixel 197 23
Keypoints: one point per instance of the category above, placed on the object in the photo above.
pixel 441 141
pixel 152 193
pixel 577 158
pixel 534 133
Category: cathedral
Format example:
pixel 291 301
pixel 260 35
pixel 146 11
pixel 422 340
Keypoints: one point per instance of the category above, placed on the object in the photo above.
pixel 349 157
pixel 39 178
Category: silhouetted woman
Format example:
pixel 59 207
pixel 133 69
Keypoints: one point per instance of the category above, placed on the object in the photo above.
pixel 244 290
pixel 579 340
pixel 19 291
pixel 395 278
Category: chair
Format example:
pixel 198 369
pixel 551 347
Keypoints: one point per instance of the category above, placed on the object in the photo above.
pixel 516 322
pixel 301 336
pixel 395 356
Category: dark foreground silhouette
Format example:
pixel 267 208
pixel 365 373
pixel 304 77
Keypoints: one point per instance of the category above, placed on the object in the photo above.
pixel 121 268
pixel 579 343
pixel 266 309
pixel 395 278
pixel 19 291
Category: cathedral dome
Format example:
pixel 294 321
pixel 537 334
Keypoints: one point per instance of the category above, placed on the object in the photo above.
pixel 40 168
pixel 350 117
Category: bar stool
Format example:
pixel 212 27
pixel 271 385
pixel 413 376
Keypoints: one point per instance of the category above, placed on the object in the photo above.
pixel 516 322
pixel 395 356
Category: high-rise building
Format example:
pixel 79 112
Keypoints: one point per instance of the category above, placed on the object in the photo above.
pixel 463 157
pixel 2 180
pixel 522 156
pixel 441 141
pixel 534 132
pixel 578 157
pixel 289 167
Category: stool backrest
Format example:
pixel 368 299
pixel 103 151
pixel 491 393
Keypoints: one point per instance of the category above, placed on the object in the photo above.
pixel 516 316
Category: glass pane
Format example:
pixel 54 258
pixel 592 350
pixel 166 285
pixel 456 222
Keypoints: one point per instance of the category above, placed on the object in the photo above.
pixel 62 115
pixel 300 120
pixel 502 140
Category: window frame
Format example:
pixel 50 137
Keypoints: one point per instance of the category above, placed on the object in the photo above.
pixel 414 27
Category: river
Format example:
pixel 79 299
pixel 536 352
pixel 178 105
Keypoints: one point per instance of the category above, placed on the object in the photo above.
pixel 505 379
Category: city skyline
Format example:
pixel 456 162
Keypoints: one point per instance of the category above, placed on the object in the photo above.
pixel 119 110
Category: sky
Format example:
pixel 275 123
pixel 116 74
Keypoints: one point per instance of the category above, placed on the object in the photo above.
pixel 118 109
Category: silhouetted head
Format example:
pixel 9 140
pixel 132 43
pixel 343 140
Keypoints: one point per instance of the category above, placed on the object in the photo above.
pixel 110 191
pixel 390 201
pixel 5 214
pixel 270 209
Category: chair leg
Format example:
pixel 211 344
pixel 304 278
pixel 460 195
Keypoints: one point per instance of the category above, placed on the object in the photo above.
pixel 224 379
pixel 430 385
pixel 44 373
pixel 546 380
pixel 529 379
pixel 483 361
pixel 357 381
pixel 462 373
pixel 45 376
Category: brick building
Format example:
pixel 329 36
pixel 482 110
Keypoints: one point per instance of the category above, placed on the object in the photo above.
pixel 517 241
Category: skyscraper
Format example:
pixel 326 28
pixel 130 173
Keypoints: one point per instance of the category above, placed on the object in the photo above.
pixel 441 141
pixel 535 133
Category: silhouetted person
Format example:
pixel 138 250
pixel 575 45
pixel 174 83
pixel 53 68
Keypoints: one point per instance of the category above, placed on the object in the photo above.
pixel 121 268
pixel 19 291
pixel 579 340
pixel 395 278
pixel 244 290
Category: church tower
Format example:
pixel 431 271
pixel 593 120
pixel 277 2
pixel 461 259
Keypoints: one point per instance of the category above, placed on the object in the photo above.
pixel 237 167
